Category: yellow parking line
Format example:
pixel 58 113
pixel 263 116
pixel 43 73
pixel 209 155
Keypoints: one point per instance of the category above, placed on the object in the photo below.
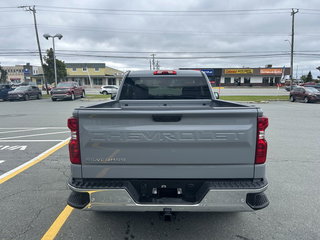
pixel 218 87
pixel 57 224
pixel 14 172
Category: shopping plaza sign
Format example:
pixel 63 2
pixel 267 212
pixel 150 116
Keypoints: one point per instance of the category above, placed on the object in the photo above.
pixel 268 71
pixel 238 71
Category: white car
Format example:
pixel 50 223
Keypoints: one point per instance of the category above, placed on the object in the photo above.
pixel 109 89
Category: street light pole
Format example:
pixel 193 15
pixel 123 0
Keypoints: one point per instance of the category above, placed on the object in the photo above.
pixel 293 12
pixel 59 36
pixel 54 63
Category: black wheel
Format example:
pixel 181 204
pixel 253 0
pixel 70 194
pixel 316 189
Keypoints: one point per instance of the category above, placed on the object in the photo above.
pixel 73 97
pixel 292 99
pixel 105 93
pixel 53 99
pixel 26 97
pixel 306 100
pixel 39 96
pixel 83 95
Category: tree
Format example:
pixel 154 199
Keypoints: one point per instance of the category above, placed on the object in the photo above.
pixel 304 78
pixel 3 75
pixel 309 77
pixel 48 68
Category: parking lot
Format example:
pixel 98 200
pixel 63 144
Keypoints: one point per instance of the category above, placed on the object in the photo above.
pixel 35 167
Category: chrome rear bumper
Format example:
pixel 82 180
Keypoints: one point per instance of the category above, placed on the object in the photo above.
pixel 216 200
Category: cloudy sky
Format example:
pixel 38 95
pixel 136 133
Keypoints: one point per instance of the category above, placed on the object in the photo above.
pixel 181 33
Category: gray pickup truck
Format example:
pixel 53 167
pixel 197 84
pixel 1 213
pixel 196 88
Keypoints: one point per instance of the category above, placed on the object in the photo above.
pixel 167 144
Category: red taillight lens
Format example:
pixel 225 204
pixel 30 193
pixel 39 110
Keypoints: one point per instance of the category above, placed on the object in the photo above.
pixel 73 124
pixel 262 145
pixel 74 151
pixel 261 151
pixel 74 144
pixel 165 72
pixel 263 123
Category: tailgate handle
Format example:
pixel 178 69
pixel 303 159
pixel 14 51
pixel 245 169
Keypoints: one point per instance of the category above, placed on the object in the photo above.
pixel 166 118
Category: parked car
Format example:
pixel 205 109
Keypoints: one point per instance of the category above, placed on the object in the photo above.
pixel 307 94
pixel 316 86
pixel 25 93
pixel 289 88
pixel 67 90
pixel 109 89
pixel 4 90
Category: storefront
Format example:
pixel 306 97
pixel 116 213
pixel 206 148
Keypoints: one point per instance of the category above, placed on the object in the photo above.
pixel 213 74
pixel 254 76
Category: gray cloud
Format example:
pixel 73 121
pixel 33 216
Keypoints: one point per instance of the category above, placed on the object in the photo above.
pixel 246 32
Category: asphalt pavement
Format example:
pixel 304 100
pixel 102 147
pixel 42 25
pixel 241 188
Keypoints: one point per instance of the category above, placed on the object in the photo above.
pixel 32 200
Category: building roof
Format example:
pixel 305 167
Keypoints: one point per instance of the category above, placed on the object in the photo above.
pixel 87 65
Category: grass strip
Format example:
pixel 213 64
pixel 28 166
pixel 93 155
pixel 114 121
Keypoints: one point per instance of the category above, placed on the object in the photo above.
pixel 255 98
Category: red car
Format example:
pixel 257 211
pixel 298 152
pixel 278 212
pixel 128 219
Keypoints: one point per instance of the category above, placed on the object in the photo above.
pixel 67 90
pixel 306 94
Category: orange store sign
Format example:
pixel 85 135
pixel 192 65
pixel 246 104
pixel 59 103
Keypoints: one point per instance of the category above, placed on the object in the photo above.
pixel 271 71
pixel 238 71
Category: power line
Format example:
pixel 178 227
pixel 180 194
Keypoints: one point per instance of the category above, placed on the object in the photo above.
pixel 165 11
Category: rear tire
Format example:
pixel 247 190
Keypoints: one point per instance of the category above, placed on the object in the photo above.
pixel 26 97
pixel 292 99
pixel 105 93
pixel 53 99
pixel 83 95
pixel 306 100
pixel 39 96
pixel 73 97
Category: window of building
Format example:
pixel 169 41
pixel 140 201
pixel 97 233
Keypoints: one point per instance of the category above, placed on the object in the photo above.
pixel 86 81
pixel 265 80
pixel 227 80
pixel 97 81
pixel 96 69
pixel 85 69
pixel 237 81
pixel 111 81
pixel 246 80
pixel 74 69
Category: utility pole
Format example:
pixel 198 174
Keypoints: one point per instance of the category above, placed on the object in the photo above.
pixel 33 10
pixel 153 61
pixel 158 65
pixel 293 12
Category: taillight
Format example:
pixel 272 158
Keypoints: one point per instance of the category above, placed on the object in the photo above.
pixel 165 72
pixel 74 144
pixel 262 145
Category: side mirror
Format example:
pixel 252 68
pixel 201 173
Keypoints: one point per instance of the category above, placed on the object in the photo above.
pixel 216 95
pixel 113 97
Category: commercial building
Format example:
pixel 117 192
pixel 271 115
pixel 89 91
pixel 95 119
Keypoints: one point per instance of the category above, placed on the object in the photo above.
pixel 267 76
pixel 19 73
pixel 86 74
pixel 93 74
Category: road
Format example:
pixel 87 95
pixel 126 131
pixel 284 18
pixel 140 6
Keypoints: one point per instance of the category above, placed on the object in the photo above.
pixel 32 200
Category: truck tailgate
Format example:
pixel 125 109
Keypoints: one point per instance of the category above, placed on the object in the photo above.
pixel 207 143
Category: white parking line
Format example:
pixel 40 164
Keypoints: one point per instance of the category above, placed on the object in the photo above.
pixel 33 135
pixel 33 140
pixel 2 161
pixel 24 130
pixel 12 173
pixel 17 128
